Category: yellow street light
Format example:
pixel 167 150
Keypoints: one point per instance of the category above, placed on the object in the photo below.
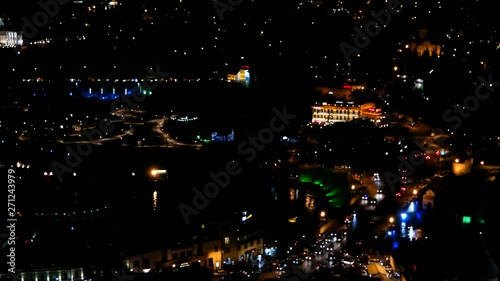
pixel 391 219
pixel 353 187
pixel 155 172
pixel 323 214
pixel 415 192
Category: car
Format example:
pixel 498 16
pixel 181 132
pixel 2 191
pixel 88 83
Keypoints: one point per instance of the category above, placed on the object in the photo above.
pixel 376 177
pixel 373 201
pixel 398 194
pixel 365 197
pixel 379 190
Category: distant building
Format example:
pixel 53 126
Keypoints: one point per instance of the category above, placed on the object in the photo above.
pixel 10 39
pixel 243 76
pixel 345 111
pixel 428 200
pixel 52 274
pixel 226 247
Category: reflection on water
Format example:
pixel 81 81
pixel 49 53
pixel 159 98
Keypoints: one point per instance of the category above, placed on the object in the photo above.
pixel 155 199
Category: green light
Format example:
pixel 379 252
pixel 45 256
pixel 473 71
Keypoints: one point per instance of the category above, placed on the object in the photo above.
pixel 334 186
pixel 466 220
pixel 482 221
pixel 332 193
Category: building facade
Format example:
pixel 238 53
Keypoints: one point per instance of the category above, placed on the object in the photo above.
pixel 226 249
pixel 342 111
pixel 52 274
pixel 10 39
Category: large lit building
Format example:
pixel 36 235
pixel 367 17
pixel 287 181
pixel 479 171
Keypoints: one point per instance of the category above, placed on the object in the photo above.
pixel 342 111
pixel 243 76
pixel 10 39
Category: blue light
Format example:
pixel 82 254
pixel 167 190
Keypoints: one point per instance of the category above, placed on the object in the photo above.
pixel 389 233
pixel 412 207
pixel 404 216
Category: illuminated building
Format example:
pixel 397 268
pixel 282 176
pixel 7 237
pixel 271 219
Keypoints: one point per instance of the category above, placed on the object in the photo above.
pixel 338 112
pixel 428 200
pixel 227 246
pixel 243 76
pixel 10 39
pixel 78 273
pixel 345 111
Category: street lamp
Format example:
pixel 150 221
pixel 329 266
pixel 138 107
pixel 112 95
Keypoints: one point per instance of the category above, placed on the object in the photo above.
pixel 391 219
pixel 322 214
pixel 415 192
pixel 156 173
pixel 353 187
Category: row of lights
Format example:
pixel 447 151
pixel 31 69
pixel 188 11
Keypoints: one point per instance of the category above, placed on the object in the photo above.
pixel 68 214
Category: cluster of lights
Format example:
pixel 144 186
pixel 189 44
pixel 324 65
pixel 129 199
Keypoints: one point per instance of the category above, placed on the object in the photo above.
pixel 184 119
pixel 69 214
pixel 49 174
pixel 22 166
